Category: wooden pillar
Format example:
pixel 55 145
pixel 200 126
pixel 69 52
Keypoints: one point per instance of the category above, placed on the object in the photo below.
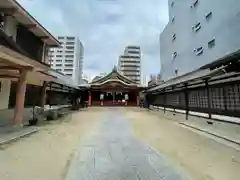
pixel 50 95
pixel 164 101
pixel 20 99
pixel 43 94
pixel 186 100
pixel 137 98
pixel 89 98
pixel 209 98
pixel 113 98
pixel 44 51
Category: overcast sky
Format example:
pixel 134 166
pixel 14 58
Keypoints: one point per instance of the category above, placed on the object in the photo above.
pixel 105 27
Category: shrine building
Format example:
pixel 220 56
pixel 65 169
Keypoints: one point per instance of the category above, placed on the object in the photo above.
pixel 114 87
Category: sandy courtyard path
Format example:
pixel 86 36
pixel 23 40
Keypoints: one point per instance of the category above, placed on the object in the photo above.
pixel 46 154
pixel 111 152
pixel 201 157
pixel 117 144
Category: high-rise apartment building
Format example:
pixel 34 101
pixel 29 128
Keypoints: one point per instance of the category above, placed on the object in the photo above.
pixel 198 32
pixel 129 64
pixel 69 58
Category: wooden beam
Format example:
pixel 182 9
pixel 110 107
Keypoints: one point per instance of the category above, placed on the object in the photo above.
pixel 8 76
pixel 8 68
pixel 44 37
pixel 16 67
pixel 8 11
pixel 30 26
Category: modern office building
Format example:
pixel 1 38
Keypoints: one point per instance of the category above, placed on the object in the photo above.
pixel 198 32
pixel 69 58
pixel 129 64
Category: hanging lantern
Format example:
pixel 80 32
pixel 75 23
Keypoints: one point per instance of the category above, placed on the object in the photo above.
pixel 101 96
pixel 126 97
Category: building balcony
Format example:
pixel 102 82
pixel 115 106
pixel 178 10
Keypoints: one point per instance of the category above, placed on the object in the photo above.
pixel 130 57
pixel 130 63
pixel 25 32
pixel 130 69
pixel 133 47
pixel 131 74
pixel 133 53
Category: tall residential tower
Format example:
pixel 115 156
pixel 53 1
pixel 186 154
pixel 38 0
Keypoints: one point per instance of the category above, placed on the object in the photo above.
pixel 69 58
pixel 130 63
pixel 198 32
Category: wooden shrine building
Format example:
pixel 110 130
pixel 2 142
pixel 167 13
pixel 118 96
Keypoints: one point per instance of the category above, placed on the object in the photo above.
pixel 114 88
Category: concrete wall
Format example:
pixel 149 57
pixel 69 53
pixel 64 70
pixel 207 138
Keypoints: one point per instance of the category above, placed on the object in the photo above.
pixel 78 62
pixel 4 93
pixel 223 26
pixel 77 59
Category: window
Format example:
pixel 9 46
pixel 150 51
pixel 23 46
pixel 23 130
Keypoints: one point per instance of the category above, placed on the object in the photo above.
pixel 58 60
pixel 68 70
pixel 59 51
pixel 68 61
pixel 174 55
pixel 211 44
pixel 198 51
pixel 208 16
pixel 70 38
pixel 70 43
pixel 69 51
pixel 68 65
pixel 58 55
pixel 69 56
pixel 194 4
pixel 197 27
pixel 58 70
pixel 58 65
pixel 69 47
pixel 173 37
pixel 69 74
pixel 60 37
pixel 173 19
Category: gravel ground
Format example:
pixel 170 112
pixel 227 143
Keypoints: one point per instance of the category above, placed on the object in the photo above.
pixel 201 157
pixel 46 154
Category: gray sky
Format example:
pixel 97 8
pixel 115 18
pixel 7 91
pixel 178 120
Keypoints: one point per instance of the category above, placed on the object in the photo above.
pixel 105 27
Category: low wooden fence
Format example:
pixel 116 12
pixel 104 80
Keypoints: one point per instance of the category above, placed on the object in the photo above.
pixel 219 96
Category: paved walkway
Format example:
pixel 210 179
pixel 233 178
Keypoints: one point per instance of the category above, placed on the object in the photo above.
pixel 111 152
pixel 7 135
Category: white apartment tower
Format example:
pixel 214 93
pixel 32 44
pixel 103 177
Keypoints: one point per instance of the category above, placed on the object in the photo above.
pixel 129 64
pixel 198 32
pixel 69 58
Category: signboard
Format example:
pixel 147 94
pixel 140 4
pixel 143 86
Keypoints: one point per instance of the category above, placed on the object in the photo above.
pixel 34 80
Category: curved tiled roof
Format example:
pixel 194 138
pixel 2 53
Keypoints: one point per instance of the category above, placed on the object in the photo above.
pixel 104 78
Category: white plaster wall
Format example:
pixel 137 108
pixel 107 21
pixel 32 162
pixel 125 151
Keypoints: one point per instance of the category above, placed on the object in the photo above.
pixel 4 93
pixel 10 27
